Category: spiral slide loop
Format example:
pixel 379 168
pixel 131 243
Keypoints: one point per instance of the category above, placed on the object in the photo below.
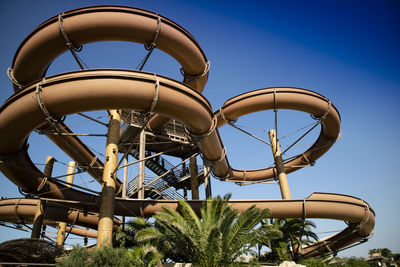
pixel 284 98
pixel 39 101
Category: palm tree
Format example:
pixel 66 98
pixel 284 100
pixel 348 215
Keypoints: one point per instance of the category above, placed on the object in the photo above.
pixel 143 256
pixel 221 236
pixel 126 238
pixel 296 232
pixel 138 254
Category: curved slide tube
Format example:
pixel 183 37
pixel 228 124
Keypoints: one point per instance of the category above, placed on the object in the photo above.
pixel 284 98
pixel 22 210
pixel 108 23
pixel 88 90
pixel 357 213
pixel 173 98
pixel 83 26
pixel 103 23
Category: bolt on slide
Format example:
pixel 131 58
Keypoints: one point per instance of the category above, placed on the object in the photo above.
pixel 39 102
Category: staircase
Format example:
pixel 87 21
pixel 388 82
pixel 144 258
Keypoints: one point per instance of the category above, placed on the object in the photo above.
pixel 158 189
pixel 159 166
pixel 165 187
pixel 173 179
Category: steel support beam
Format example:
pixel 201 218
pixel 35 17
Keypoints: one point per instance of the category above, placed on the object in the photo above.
pixel 142 150
pixel 63 225
pixel 276 151
pixel 207 180
pixel 194 182
pixel 105 227
pixel 41 206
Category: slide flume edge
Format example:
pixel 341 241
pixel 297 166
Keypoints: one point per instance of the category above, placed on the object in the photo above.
pixel 173 98
pixel 356 212
pixel 81 26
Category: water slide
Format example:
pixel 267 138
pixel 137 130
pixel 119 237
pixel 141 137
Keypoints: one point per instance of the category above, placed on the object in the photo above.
pixel 22 211
pixel 39 102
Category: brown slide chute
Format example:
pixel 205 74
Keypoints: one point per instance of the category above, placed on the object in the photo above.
pixel 22 211
pixel 36 99
pixel 284 98
pixel 104 23
pixel 109 23
pixel 357 213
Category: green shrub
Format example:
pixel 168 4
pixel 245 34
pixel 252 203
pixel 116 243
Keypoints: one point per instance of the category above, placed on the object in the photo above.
pixel 77 257
pixel 143 256
pixel 109 256
pixel 355 262
pixel 313 262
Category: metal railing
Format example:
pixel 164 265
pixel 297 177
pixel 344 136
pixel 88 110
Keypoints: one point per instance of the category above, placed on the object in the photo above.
pixel 155 190
pixel 137 119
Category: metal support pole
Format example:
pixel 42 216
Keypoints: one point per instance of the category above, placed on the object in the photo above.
pixel 43 233
pixel 104 233
pixel 124 182
pixel 125 177
pixel 142 150
pixel 41 206
pixel 63 225
pixel 194 182
pixel 276 151
pixel 183 168
pixel 207 180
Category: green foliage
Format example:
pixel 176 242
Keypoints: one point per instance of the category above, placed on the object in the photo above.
pixel 239 264
pixel 220 237
pixel 143 256
pixel 296 232
pixel 355 262
pixel 313 262
pixel 396 257
pixel 278 254
pixel 109 256
pixel 385 252
pixel 283 252
pixel 77 257
pixel 126 238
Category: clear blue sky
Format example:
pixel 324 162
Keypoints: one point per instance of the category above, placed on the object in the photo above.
pixel 345 50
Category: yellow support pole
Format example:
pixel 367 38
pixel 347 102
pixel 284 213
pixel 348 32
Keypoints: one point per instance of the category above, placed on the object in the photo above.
pixel 124 182
pixel 41 207
pixel 63 225
pixel 142 164
pixel 194 182
pixel 276 151
pixel 105 227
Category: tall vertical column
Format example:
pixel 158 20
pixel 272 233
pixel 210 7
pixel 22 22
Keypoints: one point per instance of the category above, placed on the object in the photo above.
pixel 207 180
pixel 194 182
pixel 104 233
pixel 124 182
pixel 63 225
pixel 142 150
pixel 43 233
pixel 125 177
pixel 276 151
pixel 40 208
